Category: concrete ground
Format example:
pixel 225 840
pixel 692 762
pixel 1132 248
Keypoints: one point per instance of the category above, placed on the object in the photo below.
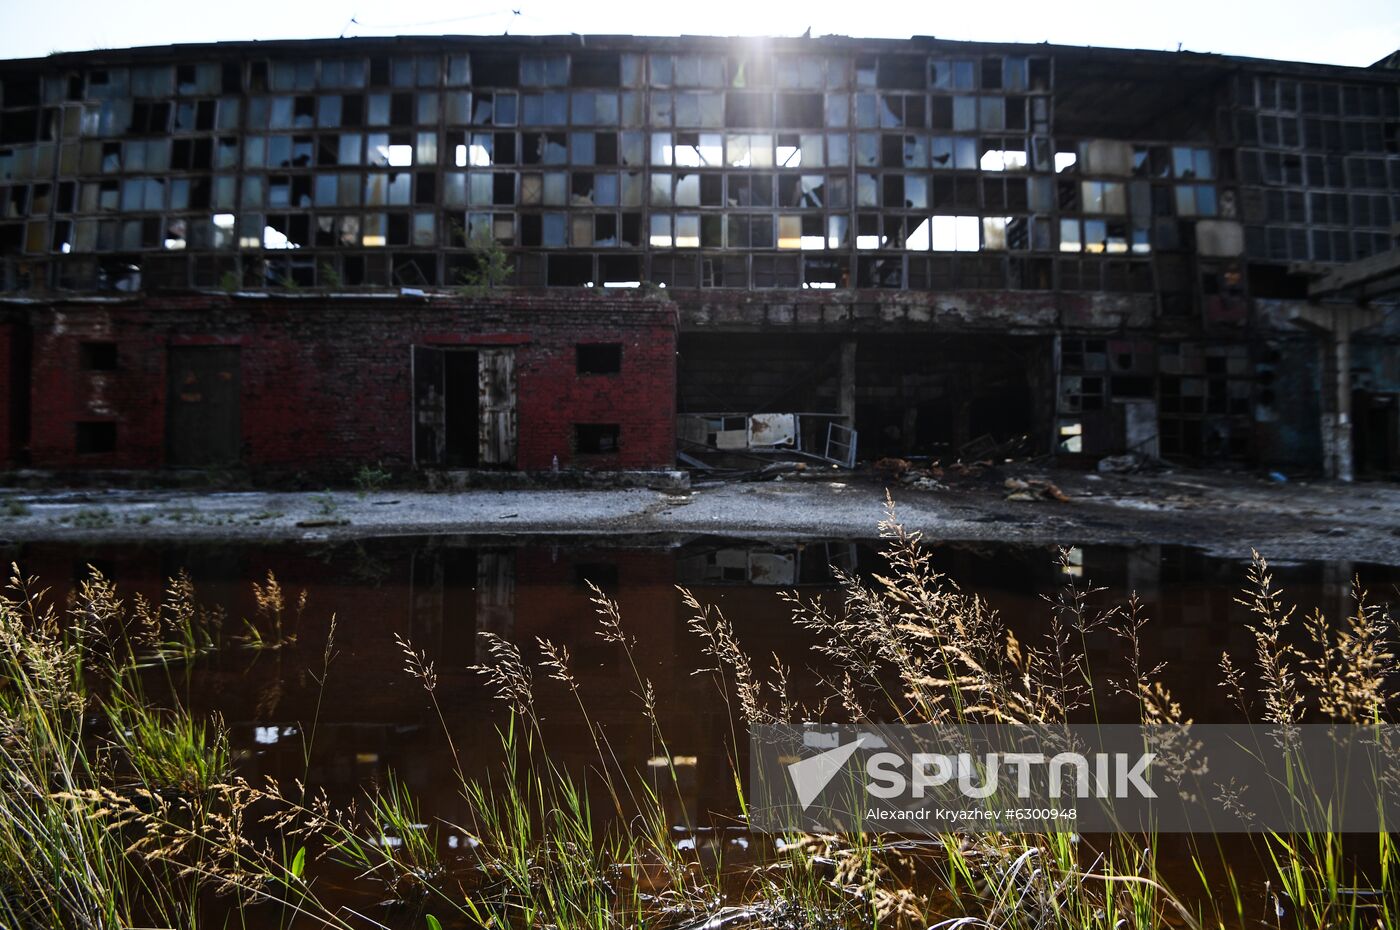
pixel 1224 514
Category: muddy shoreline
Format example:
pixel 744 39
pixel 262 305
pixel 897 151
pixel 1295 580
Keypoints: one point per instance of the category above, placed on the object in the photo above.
pixel 1226 515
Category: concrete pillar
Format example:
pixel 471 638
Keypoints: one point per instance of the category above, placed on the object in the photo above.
pixel 846 388
pixel 1336 590
pixel 909 429
pixel 1337 324
pixel 1341 465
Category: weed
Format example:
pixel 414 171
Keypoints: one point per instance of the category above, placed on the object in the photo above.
pixel 491 269
pixel 369 479
pixel 271 605
pixel 328 276
pixel 91 518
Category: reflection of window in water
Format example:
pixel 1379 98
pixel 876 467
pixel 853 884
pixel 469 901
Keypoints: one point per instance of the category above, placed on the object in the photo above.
pixel 457 593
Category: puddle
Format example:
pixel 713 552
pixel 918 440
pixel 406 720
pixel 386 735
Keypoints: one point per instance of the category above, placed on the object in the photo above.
pixel 371 718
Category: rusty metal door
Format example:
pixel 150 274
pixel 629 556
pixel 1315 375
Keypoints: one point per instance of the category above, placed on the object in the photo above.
pixel 203 421
pixel 496 384
pixel 429 407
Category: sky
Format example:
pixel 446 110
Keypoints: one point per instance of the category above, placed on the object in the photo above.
pixel 1347 32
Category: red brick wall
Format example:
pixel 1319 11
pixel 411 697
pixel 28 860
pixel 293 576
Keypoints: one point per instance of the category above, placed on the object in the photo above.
pixel 327 384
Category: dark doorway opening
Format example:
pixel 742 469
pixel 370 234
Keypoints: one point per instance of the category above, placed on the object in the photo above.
pixel 951 396
pixel 464 407
pixel 463 414
pixel 204 425
pixel 1375 434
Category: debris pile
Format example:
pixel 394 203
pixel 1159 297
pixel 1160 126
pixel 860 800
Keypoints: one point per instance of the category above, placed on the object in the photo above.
pixel 1129 464
pixel 934 476
pixel 907 473
pixel 1033 489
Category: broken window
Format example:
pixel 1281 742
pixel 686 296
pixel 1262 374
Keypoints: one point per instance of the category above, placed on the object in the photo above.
pixel 457 108
pixel 901 72
pixel 1189 163
pixel 498 109
pixel 955 233
pixel 868 150
pixel 799 111
pixel 92 438
pixel 748 109
pixel 601 358
pixel 97 356
pixel 695 150
pixel 595 69
pixel 1003 154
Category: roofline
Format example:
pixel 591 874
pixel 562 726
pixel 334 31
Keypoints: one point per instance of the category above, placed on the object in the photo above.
pixel 622 42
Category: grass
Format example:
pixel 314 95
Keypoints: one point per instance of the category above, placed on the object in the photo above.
pixel 121 809
pixel 90 518
pixel 371 478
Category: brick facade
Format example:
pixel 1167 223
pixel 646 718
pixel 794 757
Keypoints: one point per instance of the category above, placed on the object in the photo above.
pixel 326 383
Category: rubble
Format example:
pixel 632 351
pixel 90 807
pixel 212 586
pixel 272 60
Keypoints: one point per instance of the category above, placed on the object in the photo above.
pixel 1033 489
pixel 892 468
pixel 1129 463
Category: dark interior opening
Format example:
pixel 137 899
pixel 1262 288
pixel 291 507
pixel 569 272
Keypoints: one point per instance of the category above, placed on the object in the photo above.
pixel 98 356
pixel 463 419
pixel 96 437
pixel 601 358
pixel 603 574
pixel 1375 434
pixel 596 438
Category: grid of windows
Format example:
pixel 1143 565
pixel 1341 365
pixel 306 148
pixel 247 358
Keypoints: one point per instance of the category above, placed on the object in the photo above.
pixel 1321 162
pixel 682 168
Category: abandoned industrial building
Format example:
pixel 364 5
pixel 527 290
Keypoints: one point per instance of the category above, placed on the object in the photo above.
pixel 595 252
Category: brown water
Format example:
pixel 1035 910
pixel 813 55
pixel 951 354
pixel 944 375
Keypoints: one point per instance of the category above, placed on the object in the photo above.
pixel 371 718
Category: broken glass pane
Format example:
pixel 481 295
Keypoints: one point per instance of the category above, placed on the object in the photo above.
pixel 457 108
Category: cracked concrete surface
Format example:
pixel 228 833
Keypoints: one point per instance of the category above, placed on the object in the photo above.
pixel 1224 514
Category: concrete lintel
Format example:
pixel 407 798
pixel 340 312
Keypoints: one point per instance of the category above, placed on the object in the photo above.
pixel 1357 273
pixel 1339 319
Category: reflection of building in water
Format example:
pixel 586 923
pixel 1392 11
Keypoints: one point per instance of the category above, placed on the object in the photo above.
pixel 766 564
pixel 488 573
pixel 441 592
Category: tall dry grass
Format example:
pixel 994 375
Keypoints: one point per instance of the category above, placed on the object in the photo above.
pixel 118 810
